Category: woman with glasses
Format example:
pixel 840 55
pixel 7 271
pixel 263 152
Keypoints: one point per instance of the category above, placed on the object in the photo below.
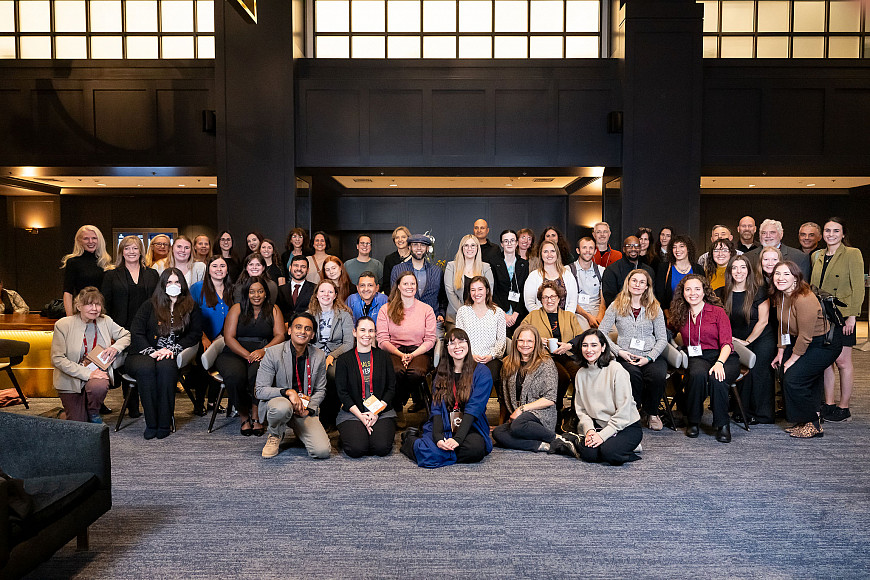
pixel 716 264
pixel 510 272
pixel 158 250
pixel 224 247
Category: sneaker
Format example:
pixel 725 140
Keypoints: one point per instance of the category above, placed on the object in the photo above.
pixel 96 419
pixel 271 448
pixel 563 446
pixel 655 423
pixel 574 439
pixel 826 410
pixel 838 415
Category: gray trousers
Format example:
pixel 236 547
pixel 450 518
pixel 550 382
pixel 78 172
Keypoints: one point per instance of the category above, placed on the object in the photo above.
pixel 279 414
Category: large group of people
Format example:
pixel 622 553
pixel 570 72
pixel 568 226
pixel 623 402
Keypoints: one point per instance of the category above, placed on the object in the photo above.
pixel 570 341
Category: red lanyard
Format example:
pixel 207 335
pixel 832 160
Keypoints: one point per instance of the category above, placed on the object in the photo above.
pixel 308 374
pixel 455 400
pixel 85 339
pixel 362 375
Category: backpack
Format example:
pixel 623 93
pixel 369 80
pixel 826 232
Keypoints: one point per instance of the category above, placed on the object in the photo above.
pixel 831 311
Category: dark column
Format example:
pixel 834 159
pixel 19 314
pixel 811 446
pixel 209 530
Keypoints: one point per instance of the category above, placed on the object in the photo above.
pixel 255 142
pixel 662 123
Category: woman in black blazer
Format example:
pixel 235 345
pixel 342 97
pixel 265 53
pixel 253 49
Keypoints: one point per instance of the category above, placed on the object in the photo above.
pixel 508 292
pixel 125 288
pixel 366 383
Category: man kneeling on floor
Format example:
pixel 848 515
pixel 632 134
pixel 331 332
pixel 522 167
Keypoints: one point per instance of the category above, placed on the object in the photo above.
pixel 298 372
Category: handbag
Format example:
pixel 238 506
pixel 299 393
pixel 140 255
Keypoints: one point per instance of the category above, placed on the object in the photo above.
pixel 53 309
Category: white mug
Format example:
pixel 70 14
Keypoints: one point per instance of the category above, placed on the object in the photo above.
pixel 552 344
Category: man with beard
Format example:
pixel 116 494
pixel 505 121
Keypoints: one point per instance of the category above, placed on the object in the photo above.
pixel 615 274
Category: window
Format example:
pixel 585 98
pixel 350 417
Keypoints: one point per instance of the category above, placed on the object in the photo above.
pixel 112 29
pixel 457 28
pixel 785 29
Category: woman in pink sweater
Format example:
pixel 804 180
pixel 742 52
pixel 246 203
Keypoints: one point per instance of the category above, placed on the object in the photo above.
pixel 406 331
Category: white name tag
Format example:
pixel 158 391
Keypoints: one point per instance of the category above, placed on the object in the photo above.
pixel 584 299
pixel 695 350
pixel 374 405
pixel 513 296
pixel 786 339
pixel 637 344
pixel 305 400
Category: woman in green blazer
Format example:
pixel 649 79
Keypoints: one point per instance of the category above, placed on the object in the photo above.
pixel 839 269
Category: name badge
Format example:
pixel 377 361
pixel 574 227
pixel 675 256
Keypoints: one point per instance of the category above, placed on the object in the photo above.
pixel 305 400
pixel 637 344
pixel 455 420
pixel 374 405
pixel 584 299
pixel 785 340
pixel 513 296
pixel 695 350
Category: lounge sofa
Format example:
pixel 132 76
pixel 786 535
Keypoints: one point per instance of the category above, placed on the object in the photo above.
pixel 66 468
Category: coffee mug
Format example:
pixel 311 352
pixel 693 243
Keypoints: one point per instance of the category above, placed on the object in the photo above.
pixel 552 344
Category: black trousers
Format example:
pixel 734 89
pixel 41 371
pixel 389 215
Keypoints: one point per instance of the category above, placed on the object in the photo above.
pixel 526 433
pixel 471 450
pixel 331 404
pixel 647 383
pixel 615 450
pixel 700 385
pixel 803 382
pixel 240 378
pixel 156 381
pixel 757 389
pixel 356 441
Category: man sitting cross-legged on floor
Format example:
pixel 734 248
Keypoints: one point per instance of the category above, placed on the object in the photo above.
pixel 291 384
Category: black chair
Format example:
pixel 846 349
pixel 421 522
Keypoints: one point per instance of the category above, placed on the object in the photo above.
pixel 747 361
pixel 208 358
pixel 15 351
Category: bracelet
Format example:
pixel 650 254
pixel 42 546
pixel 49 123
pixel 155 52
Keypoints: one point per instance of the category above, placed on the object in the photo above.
pixel 720 362
pixel 650 359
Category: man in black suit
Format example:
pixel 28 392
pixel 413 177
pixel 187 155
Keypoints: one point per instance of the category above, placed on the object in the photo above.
pixel 770 235
pixel 295 295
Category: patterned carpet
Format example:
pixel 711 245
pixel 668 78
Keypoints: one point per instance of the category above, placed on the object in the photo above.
pixel 199 505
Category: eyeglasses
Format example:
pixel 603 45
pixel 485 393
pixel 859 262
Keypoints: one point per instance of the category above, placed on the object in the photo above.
pixel 632 245
pixel 161 244
pixel 550 297
pixel 365 243
pixel 721 251
pixel 457 342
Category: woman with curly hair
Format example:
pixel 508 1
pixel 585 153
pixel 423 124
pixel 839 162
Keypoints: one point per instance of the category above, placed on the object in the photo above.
pixel 679 262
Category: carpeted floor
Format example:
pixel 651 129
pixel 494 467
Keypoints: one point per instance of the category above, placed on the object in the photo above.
pixel 199 505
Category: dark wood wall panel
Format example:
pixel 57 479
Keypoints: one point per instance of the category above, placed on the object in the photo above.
pixel 849 129
pixel 396 124
pixel 125 119
pixel 333 128
pixel 179 116
pixel 459 121
pixel 795 121
pixel 15 121
pixel 732 122
pixel 522 124
pixel 582 129
pixel 62 120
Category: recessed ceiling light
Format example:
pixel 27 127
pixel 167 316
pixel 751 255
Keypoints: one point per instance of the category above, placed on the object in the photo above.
pixel 138 185
pixel 213 184
pixel 508 184
pixel 751 185
pixel 811 184
pixel 394 185
pixel 102 184
pixel 181 185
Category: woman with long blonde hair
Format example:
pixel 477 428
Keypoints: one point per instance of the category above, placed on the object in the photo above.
pixel 85 265
pixel 550 267
pixel 181 257
pixel 158 250
pixel 459 272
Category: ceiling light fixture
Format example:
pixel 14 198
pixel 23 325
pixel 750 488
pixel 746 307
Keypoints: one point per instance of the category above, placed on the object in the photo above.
pixel 811 184
pixel 751 185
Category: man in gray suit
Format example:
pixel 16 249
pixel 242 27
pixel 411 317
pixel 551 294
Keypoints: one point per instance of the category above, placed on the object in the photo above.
pixel 770 235
pixel 291 385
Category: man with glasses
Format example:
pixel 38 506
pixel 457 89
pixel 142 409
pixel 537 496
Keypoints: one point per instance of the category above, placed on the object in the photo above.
pixel 615 274
pixel 364 261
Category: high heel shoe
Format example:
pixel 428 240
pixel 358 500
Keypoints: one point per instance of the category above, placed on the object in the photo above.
pixel 246 431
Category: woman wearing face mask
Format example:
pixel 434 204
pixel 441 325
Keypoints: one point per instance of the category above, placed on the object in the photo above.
pixel 254 265
pixel 158 250
pixel 748 310
pixel 252 326
pixel 716 265
pixel 713 366
pixel 320 242
pixel 609 422
pixel 252 242
pixel 333 269
pixel 807 345
pixel 181 258
pixel 642 339
pixel 552 269
pixel 273 266
pixel 201 248
pixel 839 270
pixel 125 288
pixel 401 235
pixel 84 266
pixel 457 430
pixel 223 247
pixel 81 384
pixel 164 326
pixel 366 383
pixel 679 262
pixel 458 274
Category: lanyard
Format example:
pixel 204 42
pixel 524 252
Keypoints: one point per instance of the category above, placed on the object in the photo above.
pixel 308 374
pixel 455 400
pixel 85 340
pixel 787 317
pixel 700 317
pixel 362 376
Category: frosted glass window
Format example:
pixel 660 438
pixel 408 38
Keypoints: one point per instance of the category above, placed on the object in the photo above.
pixel 34 16
pixel 69 16
pixel 581 47
pixel 177 46
pixel 711 47
pixel 332 16
pixel 511 47
pixel 773 16
pixel 404 16
pixel 545 47
pixel 809 16
pixel 867 47
pixel 368 47
pixel 141 16
pixel 711 16
pixel 845 17
pixel 403 47
pixel 511 16
pixel 142 47
pixel 439 16
pixel 106 47
pixel 177 16
pixel 737 47
pixel 475 16
pixel 737 16
pixel 547 16
pixel 844 47
pixel 333 46
pixel 71 47
pixel 808 47
pixel 581 16
pixel 439 47
pixel 772 47
pixel 475 47
pixel 7 47
pixel 205 46
pixel 7 19
pixel 35 46
pixel 205 16
pixel 367 16
pixel 105 17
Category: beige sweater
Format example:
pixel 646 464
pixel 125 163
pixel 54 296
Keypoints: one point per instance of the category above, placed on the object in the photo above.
pixel 602 398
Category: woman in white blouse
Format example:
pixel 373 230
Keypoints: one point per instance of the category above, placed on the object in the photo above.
pixel 485 325
pixel 181 257
pixel 550 268
pixel 460 271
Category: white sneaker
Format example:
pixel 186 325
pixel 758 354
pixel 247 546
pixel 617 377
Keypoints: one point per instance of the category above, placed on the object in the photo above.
pixel 271 448
pixel 655 423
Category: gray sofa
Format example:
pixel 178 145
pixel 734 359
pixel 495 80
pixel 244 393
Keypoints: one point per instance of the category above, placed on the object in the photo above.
pixel 66 468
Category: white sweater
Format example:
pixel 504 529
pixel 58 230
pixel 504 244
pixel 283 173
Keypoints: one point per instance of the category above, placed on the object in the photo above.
pixel 604 396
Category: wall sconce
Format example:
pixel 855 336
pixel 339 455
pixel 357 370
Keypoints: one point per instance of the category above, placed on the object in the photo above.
pixel 33 215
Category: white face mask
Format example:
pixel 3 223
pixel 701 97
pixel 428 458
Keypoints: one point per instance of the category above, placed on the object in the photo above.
pixel 173 290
